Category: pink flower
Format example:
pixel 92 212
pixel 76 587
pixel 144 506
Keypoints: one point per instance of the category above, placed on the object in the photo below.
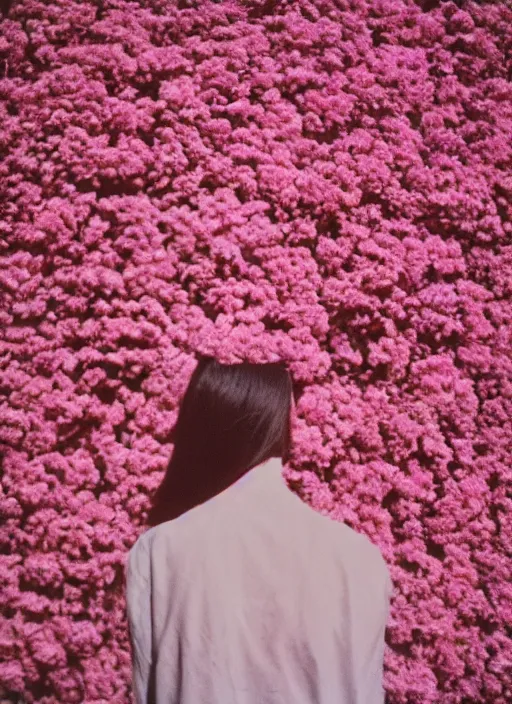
pixel 321 184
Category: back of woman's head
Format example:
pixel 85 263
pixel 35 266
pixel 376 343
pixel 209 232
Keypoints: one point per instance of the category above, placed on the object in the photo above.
pixel 231 419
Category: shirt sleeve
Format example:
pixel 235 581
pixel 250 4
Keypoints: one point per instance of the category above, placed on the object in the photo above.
pixel 374 607
pixel 138 601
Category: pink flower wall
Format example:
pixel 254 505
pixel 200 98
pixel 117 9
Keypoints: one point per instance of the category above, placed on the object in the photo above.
pixel 325 182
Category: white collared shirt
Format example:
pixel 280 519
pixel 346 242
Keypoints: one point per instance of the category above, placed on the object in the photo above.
pixel 255 598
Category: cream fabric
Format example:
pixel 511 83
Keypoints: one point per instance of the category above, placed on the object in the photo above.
pixel 255 598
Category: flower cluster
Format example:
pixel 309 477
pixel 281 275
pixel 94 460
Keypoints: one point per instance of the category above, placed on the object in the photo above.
pixel 327 183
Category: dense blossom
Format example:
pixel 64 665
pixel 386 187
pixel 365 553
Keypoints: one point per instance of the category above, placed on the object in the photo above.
pixel 328 183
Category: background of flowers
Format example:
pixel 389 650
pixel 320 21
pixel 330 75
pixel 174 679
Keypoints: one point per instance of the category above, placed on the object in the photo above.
pixel 324 182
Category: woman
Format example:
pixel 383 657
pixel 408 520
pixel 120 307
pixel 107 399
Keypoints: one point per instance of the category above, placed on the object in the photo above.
pixel 240 593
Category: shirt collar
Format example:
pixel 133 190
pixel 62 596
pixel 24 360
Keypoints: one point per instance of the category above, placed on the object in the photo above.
pixel 268 473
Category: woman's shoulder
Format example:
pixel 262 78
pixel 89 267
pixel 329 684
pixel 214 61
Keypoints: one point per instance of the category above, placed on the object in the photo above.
pixel 355 547
pixel 152 539
pixel 141 546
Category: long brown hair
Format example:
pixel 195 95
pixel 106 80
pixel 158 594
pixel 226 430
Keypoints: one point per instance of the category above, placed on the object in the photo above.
pixel 232 418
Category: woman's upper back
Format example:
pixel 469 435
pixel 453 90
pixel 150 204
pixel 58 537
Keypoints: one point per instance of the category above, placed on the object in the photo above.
pixel 256 597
